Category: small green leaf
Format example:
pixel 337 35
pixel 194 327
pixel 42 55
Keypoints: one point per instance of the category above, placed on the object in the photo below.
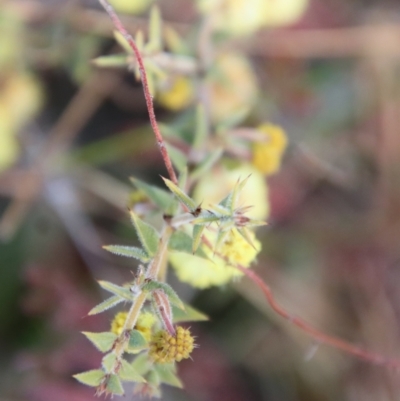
pixel 179 160
pixel 158 196
pixel 107 304
pixel 197 234
pixel 190 314
pixel 167 289
pixel 117 290
pixel 230 201
pixel 108 362
pixel 155 36
pixel 136 341
pixel 147 234
pixel 182 197
pixel 167 375
pixel 128 373
pixel 153 378
pixel 206 164
pixel 102 341
pixel 128 251
pixel 142 364
pixel 114 385
pixel 182 242
pixel 91 378
pixel 123 42
pixel 113 61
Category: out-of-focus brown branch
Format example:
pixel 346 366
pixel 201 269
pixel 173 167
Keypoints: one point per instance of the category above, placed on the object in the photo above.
pixel 149 99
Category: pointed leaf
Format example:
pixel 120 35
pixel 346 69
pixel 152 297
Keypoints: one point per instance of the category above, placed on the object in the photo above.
pixel 102 341
pixel 230 201
pixel 136 341
pixel 167 375
pixel 114 385
pixel 117 290
pixel 128 373
pixel 128 251
pixel 190 314
pixel 207 163
pixel 182 242
pixel 113 61
pixel 173 41
pixel 123 42
pixel 179 160
pixel 142 364
pixel 147 234
pixel 91 378
pixel 154 44
pixel 182 197
pixel 108 362
pixel 107 304
pixel 197 234
pixel 158 196
pixel 167 289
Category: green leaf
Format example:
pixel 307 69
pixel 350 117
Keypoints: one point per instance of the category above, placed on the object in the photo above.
pixel 117 290
pixel 108 362
pixel 158 196
pixel 155 36
pixel 147 234
pixel 206 164
pixel 230 201
pixel 179 160
pixel 189 314
pixel 142 364
pixel 136 341
pixel 91 378
pixel 113 61
pixel 201 130
pixel 128 373
pixel 123 42
pixel 129 251
pixel 107 304
pixel 197 233
pixel 102 341
pixel 167 375
pixel 114 385
pixel 182 197
pixel 167 289
pixel 182 242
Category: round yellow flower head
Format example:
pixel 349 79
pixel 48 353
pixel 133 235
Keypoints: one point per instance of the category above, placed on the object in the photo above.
pixel 233 87
pixel 144 323
pixel 267 155
pixel 177 94
pixel 167 348
pixel 203 273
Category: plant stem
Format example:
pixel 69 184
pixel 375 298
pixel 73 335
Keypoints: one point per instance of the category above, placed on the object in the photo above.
pixel 155 265
pixel 149 99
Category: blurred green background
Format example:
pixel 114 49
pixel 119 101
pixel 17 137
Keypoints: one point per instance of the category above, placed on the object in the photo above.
pixel 71 135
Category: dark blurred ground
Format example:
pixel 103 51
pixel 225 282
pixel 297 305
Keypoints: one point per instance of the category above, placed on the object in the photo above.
pixel 331 251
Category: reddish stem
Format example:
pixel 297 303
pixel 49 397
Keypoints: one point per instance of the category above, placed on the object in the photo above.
pixel 149 99
pixel 313 332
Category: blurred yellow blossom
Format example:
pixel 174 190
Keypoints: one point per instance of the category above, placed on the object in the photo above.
pixel 144 323
pixel 232 86
pixel 267 155
pixel 244 17
pixel 177 94
pixel 203 273
pixel 214 186
pixel 131 6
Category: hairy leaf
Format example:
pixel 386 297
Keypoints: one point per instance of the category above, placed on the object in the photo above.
pixel 167 289
pixel 117 290
pixel 91 378
pixel 147 234
pixel 128 373
pixel 107 304
pixel 102 341
pixel 114 385
pixel 108 361
pixel 128 251
pixel 167 375
pixel 182 197
pixel 136 341
pixel 189 314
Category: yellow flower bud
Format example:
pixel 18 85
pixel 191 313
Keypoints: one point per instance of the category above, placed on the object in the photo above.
pixel 144 323
pixel 177 95
pixel 167 348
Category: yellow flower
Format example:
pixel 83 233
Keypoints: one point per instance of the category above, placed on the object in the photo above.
pixel 144 323
pixel 203 273
pixel 177 95
pixel 267 155
pixel 165 348
pixel 216 184
pixel 131 6
pixel 232 86
pixel 283 12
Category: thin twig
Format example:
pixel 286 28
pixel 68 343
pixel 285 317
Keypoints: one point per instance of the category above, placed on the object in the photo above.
pixel 149 99
pixel 317 335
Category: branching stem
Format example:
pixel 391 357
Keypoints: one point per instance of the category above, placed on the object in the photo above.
pixel 149 99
